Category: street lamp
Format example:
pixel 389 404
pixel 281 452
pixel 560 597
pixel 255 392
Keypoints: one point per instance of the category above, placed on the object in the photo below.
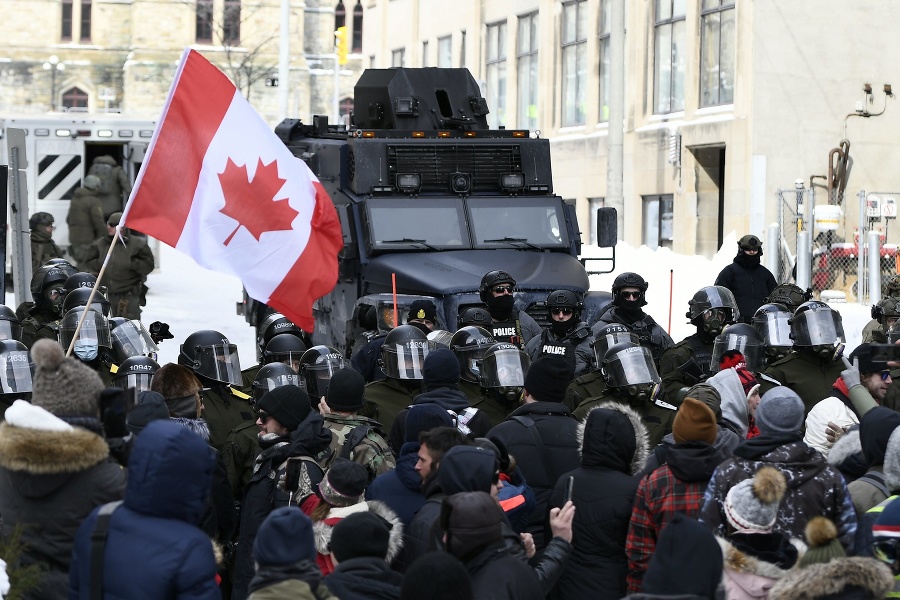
pixel 53 65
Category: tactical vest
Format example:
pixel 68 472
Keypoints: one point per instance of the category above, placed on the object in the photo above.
pixel 509 331
pixel 564 348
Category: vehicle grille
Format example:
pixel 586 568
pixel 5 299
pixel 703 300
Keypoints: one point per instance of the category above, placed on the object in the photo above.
pixel 436 162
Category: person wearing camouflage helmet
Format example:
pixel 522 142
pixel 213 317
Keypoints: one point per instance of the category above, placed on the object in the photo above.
pixel 875 330
pixel 790 295
pixel 85 220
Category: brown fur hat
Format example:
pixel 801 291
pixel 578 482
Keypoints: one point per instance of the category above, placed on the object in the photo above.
pixel 178 385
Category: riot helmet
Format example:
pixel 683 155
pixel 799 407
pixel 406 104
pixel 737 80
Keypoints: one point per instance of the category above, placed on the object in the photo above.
pixel 47 289
pixel 79 297
pixel 62 264
pixel 609 336
pixel 275 324
pixel 440 338
pixel 403 353
pixel 475 315
pixel 738 338
pixel 209 354
pixel 130 338
pixel 10 326
pixel 79 280
pixel 815 326
pixel 630 370
pixel 712 308
pixel 16 370
pixel 492 278
pixel 285 348
pixel 469 344
pixel 317 365
pixel 273 376
pixel 92 336
pixel 790 295
pixel 503 369
pixel 772 321
pixel 629 280
pixel 886 312
pixel 135 373
pixel 40 218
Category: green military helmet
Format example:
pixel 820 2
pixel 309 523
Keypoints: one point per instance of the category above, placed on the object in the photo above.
pixel 790 295
pixel 890 286
pixel 886 312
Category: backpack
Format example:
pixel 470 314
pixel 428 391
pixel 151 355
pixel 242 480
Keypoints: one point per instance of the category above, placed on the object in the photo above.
pixel 371 437
pixel 104 173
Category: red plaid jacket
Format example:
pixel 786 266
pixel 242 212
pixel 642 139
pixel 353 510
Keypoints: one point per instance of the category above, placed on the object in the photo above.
pixel 659 496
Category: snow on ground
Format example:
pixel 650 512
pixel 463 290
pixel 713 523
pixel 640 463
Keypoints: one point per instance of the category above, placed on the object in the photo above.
pixel 189 297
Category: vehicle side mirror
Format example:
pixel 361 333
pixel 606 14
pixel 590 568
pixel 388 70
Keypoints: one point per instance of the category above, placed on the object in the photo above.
pixel 607 223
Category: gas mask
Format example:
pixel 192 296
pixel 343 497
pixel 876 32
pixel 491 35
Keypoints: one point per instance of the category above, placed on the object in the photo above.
pixel 713 321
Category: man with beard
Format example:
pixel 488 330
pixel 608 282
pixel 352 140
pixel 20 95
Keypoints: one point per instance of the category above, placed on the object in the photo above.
pixel 748 280
pixel 508 323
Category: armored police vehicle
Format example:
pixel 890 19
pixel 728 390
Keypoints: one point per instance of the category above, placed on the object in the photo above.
pixel 431 199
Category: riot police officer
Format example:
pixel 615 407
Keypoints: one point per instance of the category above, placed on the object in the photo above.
pixel 215 362
pixel 502 377
pixel 508 323
pixel 815 363
pixel 422 315
pixel 632 380
pixel 773 322
pixel 566 335
pixel 10 326
pixel 41 319
pixel 629 295
pixel 92 345
pixel 790 295
pixel 884 314
pixel 689 361
pixel 469 344
pixel 592 384
pixel 16 370
pixel 317 365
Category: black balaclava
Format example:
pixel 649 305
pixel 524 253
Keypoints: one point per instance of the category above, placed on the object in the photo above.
pixel 501 307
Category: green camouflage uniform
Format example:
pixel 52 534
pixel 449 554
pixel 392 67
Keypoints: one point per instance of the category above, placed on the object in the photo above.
pixel 657 416
pixel 589 385
pixel 808 375
pixel 373 452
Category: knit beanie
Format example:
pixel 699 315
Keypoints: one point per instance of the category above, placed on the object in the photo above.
pixel 748 380
pixel 179 386
pixel 284 538
pixel 694 422
pixel 887 525
pixel 361 534
pixel 422 309
pixel 346 390
pixel 65 387
pixel 470 521
pixel 687 561
pixel 780 411
pixel 752 504
pixel 441 369
pixel 708 395
pixel 822 542
pixel 344 483
pixel 288 404
pixel 436 576
pixel 548 377
pixel 150 407
pixel 422 417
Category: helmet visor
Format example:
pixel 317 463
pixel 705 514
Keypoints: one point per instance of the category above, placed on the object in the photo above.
pixel 219 362
pixel 318 375
pixel 749 347
pixel 94 330
pixel 602 343
pixel 405 361
pixel 504 368
pixel 140 382
pixel 774 328
pixel 817 328
pixel 266 384
pixel 16 370
pixel 131 339
pixel 10 330
pixel 631 366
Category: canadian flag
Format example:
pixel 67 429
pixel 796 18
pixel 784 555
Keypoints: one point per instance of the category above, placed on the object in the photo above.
pixel 218 185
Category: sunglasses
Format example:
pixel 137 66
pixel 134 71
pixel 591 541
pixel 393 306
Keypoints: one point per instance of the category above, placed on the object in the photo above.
pixel 632 295
pixel 561 311
pixel 263 417
pixel 502 289
pixel 885 375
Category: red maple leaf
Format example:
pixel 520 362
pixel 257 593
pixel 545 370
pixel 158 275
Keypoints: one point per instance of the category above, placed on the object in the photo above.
pixel 247 202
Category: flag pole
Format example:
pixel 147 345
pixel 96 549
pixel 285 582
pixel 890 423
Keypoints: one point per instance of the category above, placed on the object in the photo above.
pixel 394 290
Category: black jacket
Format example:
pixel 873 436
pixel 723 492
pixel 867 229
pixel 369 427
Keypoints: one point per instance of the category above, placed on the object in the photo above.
pixel 614 447
pixel 541 464
pixel 450 399
pixel 750 282
pixel 364 578
pixel 497 575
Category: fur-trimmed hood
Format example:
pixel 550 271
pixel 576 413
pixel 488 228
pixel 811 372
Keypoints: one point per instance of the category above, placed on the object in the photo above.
pixel 198 426
pixel 322 529
pixel 834 577
pixel 846 446
pixel 604 441
pixel 742 562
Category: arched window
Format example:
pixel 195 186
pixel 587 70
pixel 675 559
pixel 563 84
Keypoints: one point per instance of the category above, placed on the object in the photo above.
pixel 75 98
pixel 340 15
pixel 356 47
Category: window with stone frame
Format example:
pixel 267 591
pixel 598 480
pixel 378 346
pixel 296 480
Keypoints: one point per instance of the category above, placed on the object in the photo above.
pixel 717 52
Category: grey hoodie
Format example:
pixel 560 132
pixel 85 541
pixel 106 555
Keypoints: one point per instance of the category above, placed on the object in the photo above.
pixel 734 400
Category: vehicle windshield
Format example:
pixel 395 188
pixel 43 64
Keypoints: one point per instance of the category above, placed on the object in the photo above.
pixel 517 222
pixel 435 223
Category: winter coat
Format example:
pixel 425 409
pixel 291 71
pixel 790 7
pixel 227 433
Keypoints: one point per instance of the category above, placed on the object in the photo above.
pixel 262 495
pixel 813 487
pixel 115 183
pixel 587 386
pixel 675 487
pixel 542 463
pixel 385 399
pixel 128 266
pixel 400 489
pixel 154 544
pixel 685 364
pixel 43 248
pixel 475 421
pixel 749 577
pixel 657 416
pixel 85 220
pixel 838 409
pixel 648 331
pixel 497 575
pixel 322 530
pixel 726 442
pixel 749 281
pixel 300 581
pixel 575 346
pixel 856 578
pixel 734 400
pixel 613 449
pixel 808 375
pixel 372 451
pixel 50 480
pixel 364 578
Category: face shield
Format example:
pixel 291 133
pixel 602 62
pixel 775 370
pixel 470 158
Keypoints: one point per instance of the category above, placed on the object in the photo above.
pixel 318 375
pixel 131 339
pixel 219 362
pixel 406 360
pixel 267 384
pixel 16 370
pixel 604 342
pixel 10 330
pixel 440 338
pixel 774 328
pixel 139 382
pixel 631 367
pixel 749 347
pixel 817 328
pixel 94 331
pixel 504 368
